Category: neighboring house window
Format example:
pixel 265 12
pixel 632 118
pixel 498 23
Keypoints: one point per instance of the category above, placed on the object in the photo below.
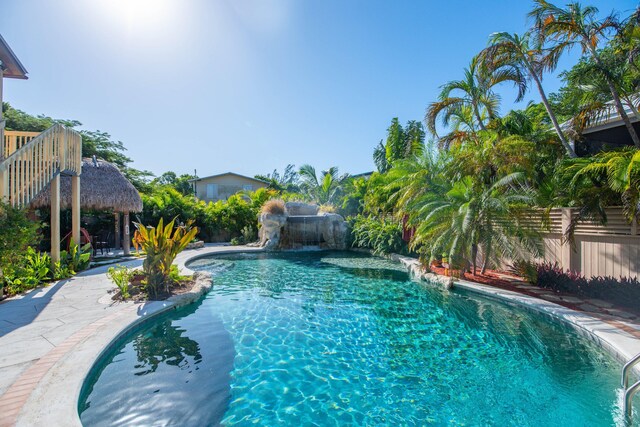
pixel 247 187
pixel 212 191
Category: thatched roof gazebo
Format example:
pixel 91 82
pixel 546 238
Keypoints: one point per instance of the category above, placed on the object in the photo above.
pixel 103 187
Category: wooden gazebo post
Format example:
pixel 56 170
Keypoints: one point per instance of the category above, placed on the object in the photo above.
pixel 55 218
pixel 75 209
pixel 127 237
pixel 116 220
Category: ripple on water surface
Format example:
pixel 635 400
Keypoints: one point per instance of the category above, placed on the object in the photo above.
pixel 347 339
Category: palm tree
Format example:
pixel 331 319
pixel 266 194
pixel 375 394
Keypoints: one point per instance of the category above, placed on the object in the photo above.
pixel 413 139
pixel 324 190
pixel 380 158
pixel 527 58
pixel 578 25
pixel 413 180
pixel 472 216
pixel 474 91
pixel 462 129
pixel 401 143
pixel 618 170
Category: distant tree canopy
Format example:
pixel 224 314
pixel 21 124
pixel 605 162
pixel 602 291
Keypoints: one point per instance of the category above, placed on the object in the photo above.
pixel 181 183
pixel 401 143
pixel 94 143
pixel 289 180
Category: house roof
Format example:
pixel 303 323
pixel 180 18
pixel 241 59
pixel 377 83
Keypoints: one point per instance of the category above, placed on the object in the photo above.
pixel 10 63
pixel 231 173
pixel 607 118
pixel 363 175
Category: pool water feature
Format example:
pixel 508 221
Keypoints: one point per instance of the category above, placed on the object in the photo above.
pixel 338 338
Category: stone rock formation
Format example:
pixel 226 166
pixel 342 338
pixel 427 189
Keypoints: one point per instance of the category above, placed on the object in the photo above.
pixel 271 229
pixel 300 226
pixel 334 231
pixel 300 208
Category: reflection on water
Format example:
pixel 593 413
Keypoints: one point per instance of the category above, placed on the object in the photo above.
pixel 165 344
pixel 165 369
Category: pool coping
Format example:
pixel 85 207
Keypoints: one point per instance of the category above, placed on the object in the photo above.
pixel 56 380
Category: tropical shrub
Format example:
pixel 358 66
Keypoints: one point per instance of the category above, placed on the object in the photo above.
pixel 623 292
pixel 37 266
pixel 77 258
pixel 29 271
pixel 383 236
pixel 525 269
pixel 61 271
pixel 121 276
pixel 215 221
pixel 161 244
pixel 328 208
pixel 17 233
pixel 249 234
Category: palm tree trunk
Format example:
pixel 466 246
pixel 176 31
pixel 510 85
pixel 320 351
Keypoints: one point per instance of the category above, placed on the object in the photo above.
pixel 485 262
pixel 616 99
pixel 477 114
pixel 474 256
pixel 567 147
pixel 484 265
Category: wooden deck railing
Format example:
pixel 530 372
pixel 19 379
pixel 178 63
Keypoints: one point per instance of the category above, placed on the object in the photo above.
pixel 14 140
pixel 32 160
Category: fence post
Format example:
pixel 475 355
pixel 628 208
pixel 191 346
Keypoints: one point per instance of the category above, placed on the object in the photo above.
pixel 567 252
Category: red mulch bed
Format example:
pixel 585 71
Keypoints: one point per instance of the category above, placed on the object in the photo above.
pixel 491 278
pixel 488 278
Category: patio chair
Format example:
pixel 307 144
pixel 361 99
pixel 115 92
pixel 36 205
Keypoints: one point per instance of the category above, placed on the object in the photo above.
pixel 102 242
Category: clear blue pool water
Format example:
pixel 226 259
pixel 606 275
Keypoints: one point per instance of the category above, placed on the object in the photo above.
pixel 331 338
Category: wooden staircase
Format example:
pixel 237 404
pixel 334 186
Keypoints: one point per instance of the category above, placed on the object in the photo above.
pixel 29 161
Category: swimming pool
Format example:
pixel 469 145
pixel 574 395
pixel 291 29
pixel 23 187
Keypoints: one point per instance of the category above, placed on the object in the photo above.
pixel 339 338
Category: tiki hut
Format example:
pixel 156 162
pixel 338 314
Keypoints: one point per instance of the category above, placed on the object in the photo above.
pixel 103 187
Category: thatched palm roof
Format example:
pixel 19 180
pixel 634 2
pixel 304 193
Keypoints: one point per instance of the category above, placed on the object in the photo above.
pixel 102 187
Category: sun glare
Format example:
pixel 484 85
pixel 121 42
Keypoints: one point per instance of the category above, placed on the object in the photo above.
pixel 140 17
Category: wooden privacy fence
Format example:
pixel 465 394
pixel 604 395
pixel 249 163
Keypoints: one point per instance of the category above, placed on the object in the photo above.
pixel 598 250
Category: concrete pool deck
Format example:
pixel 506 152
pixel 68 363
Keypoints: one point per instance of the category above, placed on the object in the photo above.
pixel 50 337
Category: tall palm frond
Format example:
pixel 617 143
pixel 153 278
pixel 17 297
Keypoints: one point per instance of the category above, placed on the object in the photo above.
pixel 579 25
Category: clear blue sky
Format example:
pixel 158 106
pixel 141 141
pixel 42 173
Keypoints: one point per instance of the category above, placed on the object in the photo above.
pixel 249 85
